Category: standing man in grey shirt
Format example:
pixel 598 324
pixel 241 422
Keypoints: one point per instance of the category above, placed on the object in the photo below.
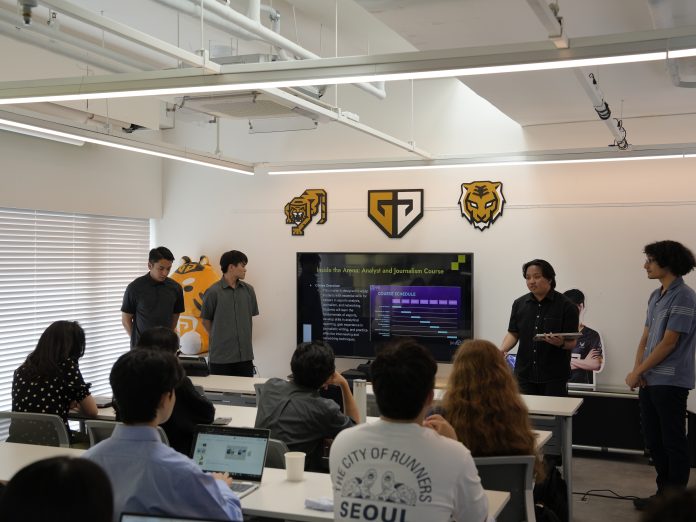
pixel 228 307
pixel 153 299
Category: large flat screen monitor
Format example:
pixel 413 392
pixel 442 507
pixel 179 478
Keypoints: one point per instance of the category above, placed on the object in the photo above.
pixel 358 301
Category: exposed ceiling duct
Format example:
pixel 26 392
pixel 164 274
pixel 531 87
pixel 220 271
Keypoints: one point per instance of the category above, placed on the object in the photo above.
pixel 252 25
pixel 76 32
pixel 548 15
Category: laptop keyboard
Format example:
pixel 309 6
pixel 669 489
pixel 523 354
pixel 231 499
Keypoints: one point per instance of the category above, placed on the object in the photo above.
pixel 240 487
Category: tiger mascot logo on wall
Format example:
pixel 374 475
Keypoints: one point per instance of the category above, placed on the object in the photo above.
pixel 482 202
pixel 195 277
pixel 300 211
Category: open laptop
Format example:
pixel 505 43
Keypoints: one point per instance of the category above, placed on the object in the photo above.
pixel 134 517
pixel 241 452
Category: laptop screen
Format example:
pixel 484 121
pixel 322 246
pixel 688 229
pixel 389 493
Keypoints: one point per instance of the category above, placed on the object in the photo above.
pixel 132 517
pixel 241 452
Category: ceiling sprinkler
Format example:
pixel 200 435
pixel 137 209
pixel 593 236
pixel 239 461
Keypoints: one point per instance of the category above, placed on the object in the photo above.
pixel 26 6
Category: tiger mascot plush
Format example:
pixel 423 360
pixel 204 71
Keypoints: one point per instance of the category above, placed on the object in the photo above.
pixel 195 277
pixel 482 202
pixel 300 211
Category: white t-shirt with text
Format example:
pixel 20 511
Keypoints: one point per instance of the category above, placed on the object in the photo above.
pixel 403 472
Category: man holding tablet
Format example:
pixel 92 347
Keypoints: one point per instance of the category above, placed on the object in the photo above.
pixel 545 323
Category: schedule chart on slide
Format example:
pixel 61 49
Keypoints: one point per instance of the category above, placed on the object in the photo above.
pixel 415 311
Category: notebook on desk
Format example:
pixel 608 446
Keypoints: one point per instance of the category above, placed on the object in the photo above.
pixel 241 452
pixel 134 517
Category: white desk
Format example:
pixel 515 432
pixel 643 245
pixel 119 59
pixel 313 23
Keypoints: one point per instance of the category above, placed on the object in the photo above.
pixel 561 410
pixel 228 384
pixel 14 456
pixel 278 498
pixel 542 437
pixel 242 416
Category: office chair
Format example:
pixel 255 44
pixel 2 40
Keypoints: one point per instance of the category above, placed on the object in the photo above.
pixel 99 430
pixel 275 456
pixel 42 429
pixel 513 473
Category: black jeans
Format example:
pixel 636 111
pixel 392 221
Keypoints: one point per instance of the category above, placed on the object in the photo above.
pixel 663 419
pixel 552 388
pixel 241 369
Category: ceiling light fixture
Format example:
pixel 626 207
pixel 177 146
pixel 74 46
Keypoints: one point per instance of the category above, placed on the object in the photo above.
pixel 121 143
pixel 43 135
pixel 466 163
pixel 648 46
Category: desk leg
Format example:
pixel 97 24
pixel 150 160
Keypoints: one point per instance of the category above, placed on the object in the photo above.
pixel 567 450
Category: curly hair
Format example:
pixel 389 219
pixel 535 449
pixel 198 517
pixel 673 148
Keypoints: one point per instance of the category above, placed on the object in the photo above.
pixel 484 405
pixel 671 255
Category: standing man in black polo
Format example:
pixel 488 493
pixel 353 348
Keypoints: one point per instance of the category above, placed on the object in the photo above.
pixel 153 299
pixel 228 307
pixel 542 366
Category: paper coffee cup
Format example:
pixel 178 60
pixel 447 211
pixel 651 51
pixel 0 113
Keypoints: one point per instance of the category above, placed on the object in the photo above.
pixel 294 465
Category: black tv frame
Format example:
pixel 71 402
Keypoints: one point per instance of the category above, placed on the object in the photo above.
pixel 312 305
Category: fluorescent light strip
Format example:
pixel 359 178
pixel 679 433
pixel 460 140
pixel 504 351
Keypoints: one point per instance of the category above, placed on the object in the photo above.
pixel 471 165
pixel 367 78
pixel 681 53
pixel 66 135
pixel 42 135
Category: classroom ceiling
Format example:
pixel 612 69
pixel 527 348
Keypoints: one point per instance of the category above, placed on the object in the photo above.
pixel 534 98
pixel 645 96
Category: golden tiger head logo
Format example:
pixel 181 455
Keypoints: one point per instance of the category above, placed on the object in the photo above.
pixel 300 210
pixel 482 202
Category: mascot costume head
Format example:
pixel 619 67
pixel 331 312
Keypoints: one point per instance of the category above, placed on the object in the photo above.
pixel 195 277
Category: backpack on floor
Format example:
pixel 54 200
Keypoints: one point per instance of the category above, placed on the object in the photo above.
pixel 551 495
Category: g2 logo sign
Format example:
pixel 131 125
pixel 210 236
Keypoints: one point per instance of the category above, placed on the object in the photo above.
pixel 395 211
pixel 481 202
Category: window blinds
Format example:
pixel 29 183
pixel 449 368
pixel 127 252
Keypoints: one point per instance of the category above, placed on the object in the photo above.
pixel 66 266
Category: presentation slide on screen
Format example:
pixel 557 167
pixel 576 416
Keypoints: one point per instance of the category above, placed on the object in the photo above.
pixel 356 302
pixel 415 311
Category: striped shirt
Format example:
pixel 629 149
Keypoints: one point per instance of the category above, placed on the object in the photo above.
pixel 674 310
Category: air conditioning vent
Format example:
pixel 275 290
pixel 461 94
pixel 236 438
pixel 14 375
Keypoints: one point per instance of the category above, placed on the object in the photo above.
pixel 247 105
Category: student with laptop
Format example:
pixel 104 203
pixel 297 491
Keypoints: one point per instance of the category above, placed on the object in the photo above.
pixel 296 413
pixel 397 467
pixel 238 452
pixel 146 475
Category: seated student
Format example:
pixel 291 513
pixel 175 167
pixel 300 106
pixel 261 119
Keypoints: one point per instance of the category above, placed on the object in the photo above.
pixel 398 467
pixel 49 380
pixel 146 475
pixel 59 488
pixel 294 411
pixel 191 407
pixel 484 406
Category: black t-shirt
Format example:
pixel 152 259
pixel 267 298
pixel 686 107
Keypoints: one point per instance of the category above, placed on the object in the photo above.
pixel 190 408
pixel 538 361
pixel 152 304
pixel 590 340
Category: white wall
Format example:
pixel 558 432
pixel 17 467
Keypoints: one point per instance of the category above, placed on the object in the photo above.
pixel 590 221
pixel 47 175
